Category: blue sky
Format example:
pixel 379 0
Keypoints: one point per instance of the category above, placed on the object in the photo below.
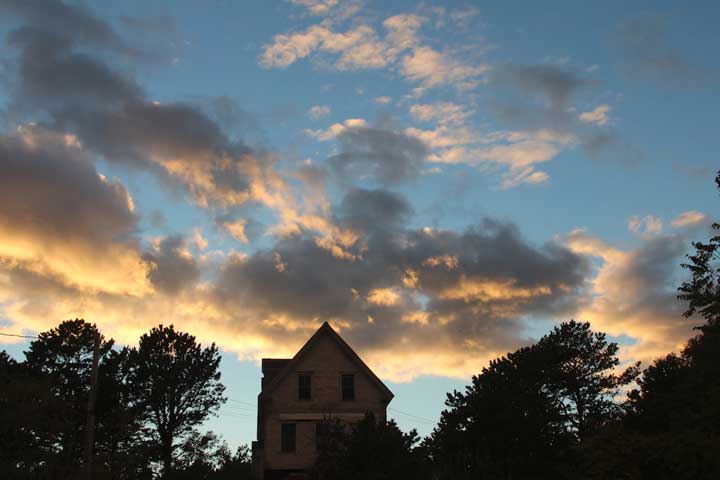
pixel 441 181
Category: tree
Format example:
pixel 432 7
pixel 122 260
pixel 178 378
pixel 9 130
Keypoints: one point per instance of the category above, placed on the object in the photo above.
pixel 580 376
pixel 672 426
pixel 526 413
pixel 205 456
pixel 119 451
pixel 61 360
pixel 176 385
pixel 504 425
pixel 703 292
pixel 371 449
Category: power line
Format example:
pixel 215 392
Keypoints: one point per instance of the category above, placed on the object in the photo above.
pixel 244 403
pixel 16 335
pixel 415 417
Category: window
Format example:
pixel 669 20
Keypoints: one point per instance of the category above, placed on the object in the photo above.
pixel 287 437
pixel 348 386
pixel 304 386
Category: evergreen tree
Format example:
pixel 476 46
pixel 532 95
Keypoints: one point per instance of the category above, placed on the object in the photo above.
pixel 176 383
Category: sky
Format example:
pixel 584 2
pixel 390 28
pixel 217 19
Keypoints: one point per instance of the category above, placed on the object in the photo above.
pixel 442 182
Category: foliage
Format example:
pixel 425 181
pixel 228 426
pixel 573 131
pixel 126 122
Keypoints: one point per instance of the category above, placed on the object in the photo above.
pixel 206 456
pixel 44 399
pixel 371 449
pixel 703 292
pixel 176 384
pixel 524 414
pixel 672 426
pixel 579 375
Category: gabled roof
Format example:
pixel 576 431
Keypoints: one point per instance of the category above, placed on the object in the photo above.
pixel 325 330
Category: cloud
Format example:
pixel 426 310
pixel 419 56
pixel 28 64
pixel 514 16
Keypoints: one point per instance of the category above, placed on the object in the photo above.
pixel 382 100
pixel 362 47
pixel 371 209
pixel 432 68
pixel 61 218
pixel 59 78
pixel 172 267
pixel 358 48
pixel 73 22
pixel 494 278
pixel 383 156
pixel 317 7
pixel 514 154
pixel 598 116
pixel 318 111
pixel 443 113
pixel 407 298
pixel 688 219
pixel 551 82
pixel 634 293
pixel 540 96
pixel 198 239
pixel 647 52
pixel 646 226
pixel 335 129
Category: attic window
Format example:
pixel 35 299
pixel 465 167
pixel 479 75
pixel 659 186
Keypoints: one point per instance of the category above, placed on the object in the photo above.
pixel 348 387
pixel 304 386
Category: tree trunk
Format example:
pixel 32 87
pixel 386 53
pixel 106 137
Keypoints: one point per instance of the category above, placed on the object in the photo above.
pixel 166 454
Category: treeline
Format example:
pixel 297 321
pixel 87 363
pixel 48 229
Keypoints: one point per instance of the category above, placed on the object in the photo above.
pixel 149 405
pixel 562 409
pixel 548 412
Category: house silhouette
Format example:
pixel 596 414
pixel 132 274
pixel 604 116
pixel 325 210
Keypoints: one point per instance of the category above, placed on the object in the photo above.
pixel 325 379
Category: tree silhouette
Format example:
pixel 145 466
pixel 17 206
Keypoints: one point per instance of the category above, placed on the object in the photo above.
pixel 703 292
pixel 61 359
pixel 504 425
pixel 524 415
pixel 119 447
pixel 177 386
pixel 672 426
pixel 371 449
pixel 580 375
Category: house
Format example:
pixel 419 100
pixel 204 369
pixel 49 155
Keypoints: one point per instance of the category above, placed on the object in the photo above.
pixel 325 379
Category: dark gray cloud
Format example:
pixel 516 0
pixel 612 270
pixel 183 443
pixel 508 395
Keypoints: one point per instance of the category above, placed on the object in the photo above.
pixel 53 192
pixel 61 81
pixel 609 145
pixel 475 285
pixel 542 99
pixel 540 95
pixel 73 22
pixel 53 76
pixel 646 51
pixel 383 156
pixel 371 209
pixel 556 84
pixel 172 270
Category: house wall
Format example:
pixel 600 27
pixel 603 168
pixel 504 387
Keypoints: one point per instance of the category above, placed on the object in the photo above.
pixel 326 362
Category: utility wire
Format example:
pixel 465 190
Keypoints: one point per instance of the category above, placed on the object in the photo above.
pixel 420 419
pixel 244 403
pixel 16 335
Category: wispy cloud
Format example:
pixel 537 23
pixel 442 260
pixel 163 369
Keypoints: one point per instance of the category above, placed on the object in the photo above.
pixel 398 46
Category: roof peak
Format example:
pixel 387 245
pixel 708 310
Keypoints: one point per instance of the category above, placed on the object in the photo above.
pixel 327 328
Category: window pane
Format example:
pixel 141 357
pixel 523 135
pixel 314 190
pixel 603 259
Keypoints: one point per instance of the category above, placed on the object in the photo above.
pixel 304 386
pixel 348 386
pixel 287 434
